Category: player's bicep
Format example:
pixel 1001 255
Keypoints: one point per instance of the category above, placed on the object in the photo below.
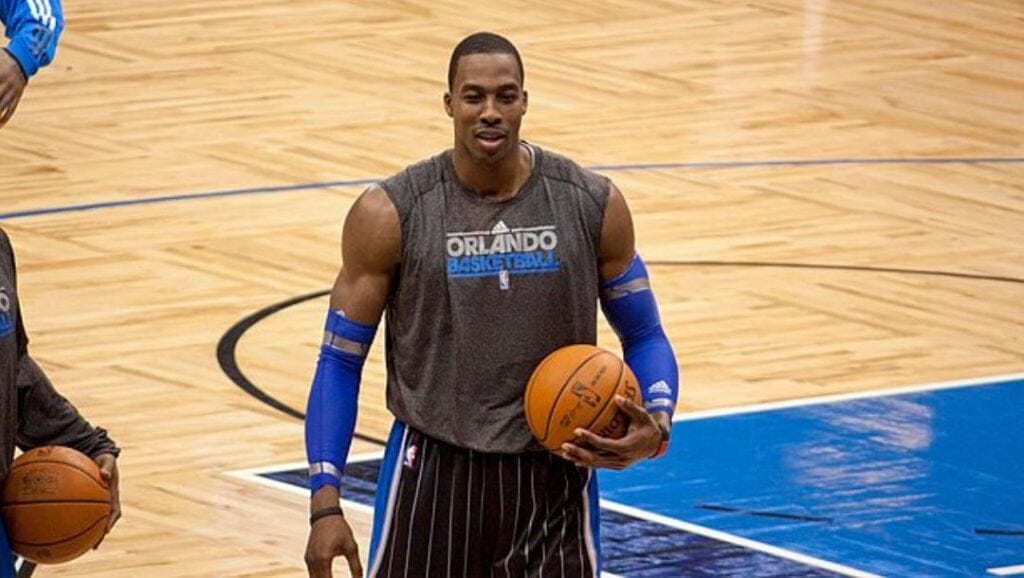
pixel 371 248
pixel 617 241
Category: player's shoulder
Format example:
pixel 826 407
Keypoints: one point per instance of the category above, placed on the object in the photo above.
pixel 373 210
pixel 558 167
pixel 406 187
pixel 419 177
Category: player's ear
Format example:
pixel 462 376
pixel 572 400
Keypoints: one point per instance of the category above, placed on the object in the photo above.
pixel 448 104
pixel 526 100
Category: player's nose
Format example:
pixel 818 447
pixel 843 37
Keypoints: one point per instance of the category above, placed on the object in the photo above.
pixel 490 114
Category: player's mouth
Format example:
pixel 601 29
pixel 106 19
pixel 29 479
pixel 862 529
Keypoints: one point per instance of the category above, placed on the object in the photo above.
pixel 490 140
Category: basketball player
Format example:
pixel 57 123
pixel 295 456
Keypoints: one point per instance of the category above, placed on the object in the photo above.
pixel 485 258
pixel 33 27
pixel 34 414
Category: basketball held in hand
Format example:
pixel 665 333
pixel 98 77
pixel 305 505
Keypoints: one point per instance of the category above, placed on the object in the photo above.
pixel 56 506
pixel 575 387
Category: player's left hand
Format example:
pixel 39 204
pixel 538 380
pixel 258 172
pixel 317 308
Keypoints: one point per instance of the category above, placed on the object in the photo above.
pixel 12 84
pixel 108 471
pixel 642 439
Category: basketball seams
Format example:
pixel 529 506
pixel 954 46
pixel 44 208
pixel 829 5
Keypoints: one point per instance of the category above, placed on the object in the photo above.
pixel 68 539
pixel 562 390
pixel 615 391
pixel 56 502
pixel 87 473
pixel 530 385
pixel 528 395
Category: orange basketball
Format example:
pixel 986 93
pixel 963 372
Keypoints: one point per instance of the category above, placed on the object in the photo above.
pixel 575 387
pixel 55 505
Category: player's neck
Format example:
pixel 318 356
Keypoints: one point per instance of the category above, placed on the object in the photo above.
pixel 493 182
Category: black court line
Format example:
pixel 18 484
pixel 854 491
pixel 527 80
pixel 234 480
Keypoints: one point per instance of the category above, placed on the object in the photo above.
pixel 834 267
pixel 26 569
pixel 229 363
pixel 228 343
pixel 762 514
pixel 997 532
pixel 694 165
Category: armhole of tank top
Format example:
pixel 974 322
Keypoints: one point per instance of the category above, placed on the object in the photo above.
pixel 602 201
pixel 533 155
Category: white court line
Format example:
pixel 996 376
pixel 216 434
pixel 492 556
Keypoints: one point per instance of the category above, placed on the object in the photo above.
pixel 253 475
pixel 354 458
pixel 737 540
pixel 823 399
pixel 1007 570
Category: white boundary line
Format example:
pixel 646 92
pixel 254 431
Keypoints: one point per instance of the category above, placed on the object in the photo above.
pixel 823 399
pixel 1007 570
pixel 252 474
pixel 737 540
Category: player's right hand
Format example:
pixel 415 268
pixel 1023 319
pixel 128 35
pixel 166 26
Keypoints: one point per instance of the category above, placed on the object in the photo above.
pixel 12 84
pixel 328 538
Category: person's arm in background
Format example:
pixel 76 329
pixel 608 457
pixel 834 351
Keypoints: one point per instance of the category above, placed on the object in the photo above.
pixel 33 28
pixel 47 418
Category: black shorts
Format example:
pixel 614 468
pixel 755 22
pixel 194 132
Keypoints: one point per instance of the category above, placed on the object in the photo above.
pixel 442 510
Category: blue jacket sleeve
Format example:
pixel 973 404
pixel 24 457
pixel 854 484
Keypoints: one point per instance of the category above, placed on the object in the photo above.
pixel 33 28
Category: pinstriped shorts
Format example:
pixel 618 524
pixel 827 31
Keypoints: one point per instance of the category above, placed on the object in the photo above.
pixel 447 511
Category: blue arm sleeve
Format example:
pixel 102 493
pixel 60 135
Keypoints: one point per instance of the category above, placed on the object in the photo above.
pixel 33 27
pixel 629 306
pixel 333 398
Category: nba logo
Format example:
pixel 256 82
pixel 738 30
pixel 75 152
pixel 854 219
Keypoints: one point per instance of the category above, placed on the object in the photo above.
pixel 410 458
pixel 503 283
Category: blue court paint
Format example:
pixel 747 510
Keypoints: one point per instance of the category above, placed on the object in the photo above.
pixel 921 484
pixel 914 484
pixel 713 165
pixel 629 546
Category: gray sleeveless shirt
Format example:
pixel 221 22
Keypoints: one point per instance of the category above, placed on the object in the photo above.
pixel 485 290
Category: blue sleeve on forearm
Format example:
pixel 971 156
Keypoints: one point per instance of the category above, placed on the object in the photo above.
pixel 33 27
pixel 629 306
pixel 333 399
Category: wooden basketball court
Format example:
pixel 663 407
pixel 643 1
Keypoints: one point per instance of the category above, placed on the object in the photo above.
pixel 832 194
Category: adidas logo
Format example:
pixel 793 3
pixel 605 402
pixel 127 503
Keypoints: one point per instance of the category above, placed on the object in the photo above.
pixel 500 228
pixel 661 387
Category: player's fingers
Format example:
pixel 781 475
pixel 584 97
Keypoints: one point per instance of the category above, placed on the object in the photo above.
pixel 319 568
pixel 598 442
pixel 106 463
pixel 6 110
pixel 9 98
pixel 114 517
pixel 631 407
pixel 578 455
pixel 353 562
pixel 561 453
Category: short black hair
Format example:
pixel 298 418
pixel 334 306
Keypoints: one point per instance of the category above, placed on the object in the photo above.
pixel 483 43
